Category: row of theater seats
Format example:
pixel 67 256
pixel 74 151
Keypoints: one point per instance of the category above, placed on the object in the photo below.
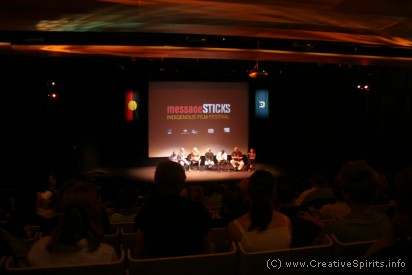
pixel 227 258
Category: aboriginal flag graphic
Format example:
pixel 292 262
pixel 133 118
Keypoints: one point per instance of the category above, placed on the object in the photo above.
pixel 132 105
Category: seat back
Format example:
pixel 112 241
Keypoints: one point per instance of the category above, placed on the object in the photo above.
pixel 114 240
pixel 128 226
pixel 128 239
pixel 223 263
pixel 387 208
pixel 285 261
pixel 349 251
pixel 34 238
pixel 113 268
pixel 2 263
pixel 220 240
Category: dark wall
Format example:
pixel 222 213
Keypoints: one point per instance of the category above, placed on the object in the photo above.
pixel 318 118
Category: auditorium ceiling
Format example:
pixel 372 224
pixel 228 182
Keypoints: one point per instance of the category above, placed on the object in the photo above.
pixel 353 32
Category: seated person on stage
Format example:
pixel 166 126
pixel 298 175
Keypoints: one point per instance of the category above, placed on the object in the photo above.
pixel 251 157
pixel 182 159
pixel 195 157
pixel 221 158
pixel 209 158
pixel 237 159
pixel 173 156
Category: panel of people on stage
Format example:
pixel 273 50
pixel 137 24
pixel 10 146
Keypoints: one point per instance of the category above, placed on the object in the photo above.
pixel 193 159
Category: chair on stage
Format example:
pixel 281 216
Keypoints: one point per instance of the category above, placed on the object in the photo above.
pixel 223 165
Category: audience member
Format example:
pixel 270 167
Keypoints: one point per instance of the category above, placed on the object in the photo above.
pixel 78 237
pixel 234 204
pixel 126 205
pixel 384 194
pixel 262 227
pixel 221 158
pixel 23 214
pixel 336 210
pixel 170 224
pixel 46 196
pixel 395 246
pixel 359 184
pixel 237 159
pixel 251 159
pixel 303 231
pixel 209 156
pixel 49 225
pixel 5 206
pixel 213 196
pixel 20 225
pixel 318 194
pixel 195 193
pixel 182 159
pixel 392 252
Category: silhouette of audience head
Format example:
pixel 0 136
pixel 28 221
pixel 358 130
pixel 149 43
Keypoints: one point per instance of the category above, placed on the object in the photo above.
pixel 80 217
pixel 287 190
pixel 403 191
pixel 233 203
pixel 319 180
pixel 126 198
pixel 169 178
pixel 261 191
pixel 359 182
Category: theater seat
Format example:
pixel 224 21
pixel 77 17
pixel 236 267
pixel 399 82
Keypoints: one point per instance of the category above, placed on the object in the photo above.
pixel 220 263
pixel 276 261
pixel 113 268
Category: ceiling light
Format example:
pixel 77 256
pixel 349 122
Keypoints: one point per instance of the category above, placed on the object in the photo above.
pixel 255 72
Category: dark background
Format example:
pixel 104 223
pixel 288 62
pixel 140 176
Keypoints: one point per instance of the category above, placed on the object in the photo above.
pixel 318 118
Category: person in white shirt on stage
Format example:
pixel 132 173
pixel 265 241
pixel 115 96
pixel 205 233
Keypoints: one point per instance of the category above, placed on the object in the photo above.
pixel 221 158
pixel 182 159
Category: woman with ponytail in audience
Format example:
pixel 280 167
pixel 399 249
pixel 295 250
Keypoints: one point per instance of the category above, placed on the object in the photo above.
pixel 262 227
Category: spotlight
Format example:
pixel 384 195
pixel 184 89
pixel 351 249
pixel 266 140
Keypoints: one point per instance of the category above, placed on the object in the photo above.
pixel 258 74
pixel 255 72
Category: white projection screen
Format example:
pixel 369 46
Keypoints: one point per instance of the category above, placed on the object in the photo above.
pixel 197 114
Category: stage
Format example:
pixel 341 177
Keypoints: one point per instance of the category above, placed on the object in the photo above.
pixel 141 178
pixel 146 174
